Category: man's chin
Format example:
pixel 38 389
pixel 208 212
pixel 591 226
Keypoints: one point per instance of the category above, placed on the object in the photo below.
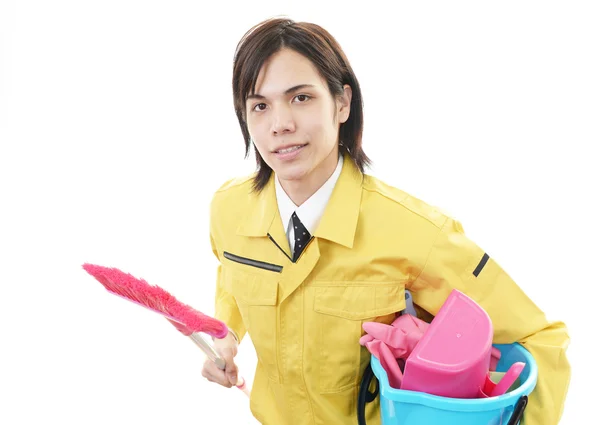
pixel 291 174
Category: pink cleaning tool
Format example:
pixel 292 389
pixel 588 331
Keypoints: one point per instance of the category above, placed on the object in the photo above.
pixel 491 389
pixel 188 321
pixel 453 357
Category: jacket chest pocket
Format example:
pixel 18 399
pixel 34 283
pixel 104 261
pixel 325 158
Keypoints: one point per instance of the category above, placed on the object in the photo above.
pixel 340 310
pixel 256 297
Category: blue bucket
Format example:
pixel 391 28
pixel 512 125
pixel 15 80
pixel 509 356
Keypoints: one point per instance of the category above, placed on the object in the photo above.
pixel 402 407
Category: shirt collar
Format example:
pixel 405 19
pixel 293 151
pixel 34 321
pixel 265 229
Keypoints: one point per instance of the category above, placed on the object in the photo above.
pixel 311 211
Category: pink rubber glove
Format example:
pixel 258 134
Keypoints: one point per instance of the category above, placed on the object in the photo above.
pixel 388 343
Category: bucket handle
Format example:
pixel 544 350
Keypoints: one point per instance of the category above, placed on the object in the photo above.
pixel 518 412
pixel 364 395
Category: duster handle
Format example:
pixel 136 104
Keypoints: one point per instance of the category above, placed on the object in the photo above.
pixel 218 360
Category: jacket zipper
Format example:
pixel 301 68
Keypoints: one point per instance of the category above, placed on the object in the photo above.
pixel 253 263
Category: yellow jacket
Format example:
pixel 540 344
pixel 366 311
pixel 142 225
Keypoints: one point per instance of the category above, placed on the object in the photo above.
pixel 372 243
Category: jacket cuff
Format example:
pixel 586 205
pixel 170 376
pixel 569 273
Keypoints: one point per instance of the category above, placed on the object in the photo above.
pixel 232 332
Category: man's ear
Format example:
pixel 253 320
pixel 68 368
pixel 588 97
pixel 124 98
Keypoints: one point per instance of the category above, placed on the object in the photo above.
pixel 343 104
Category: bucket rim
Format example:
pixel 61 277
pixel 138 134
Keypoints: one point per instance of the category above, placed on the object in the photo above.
pixel 460 404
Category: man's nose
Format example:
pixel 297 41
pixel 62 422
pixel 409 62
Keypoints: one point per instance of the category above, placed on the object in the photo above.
pixel 283 121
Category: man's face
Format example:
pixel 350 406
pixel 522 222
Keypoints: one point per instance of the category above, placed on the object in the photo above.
pixel 293 119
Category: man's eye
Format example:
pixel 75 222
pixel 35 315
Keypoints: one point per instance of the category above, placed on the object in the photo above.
pixel 302 98
pixel 260 107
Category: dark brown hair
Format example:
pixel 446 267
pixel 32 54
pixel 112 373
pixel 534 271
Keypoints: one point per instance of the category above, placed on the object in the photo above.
pixel 317 45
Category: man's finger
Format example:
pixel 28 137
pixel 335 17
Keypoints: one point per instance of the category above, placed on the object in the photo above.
pixel 211 372
pixel 230 367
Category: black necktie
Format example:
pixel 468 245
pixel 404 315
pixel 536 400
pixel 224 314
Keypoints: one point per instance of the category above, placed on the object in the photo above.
pixel 301 236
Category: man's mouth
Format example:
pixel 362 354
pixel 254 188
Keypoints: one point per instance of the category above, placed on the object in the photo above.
pixel 290 149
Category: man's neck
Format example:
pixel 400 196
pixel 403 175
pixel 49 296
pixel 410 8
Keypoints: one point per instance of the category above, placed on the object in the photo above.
pixel 300 190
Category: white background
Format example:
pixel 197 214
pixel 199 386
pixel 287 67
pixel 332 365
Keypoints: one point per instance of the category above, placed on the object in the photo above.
pixel 117 125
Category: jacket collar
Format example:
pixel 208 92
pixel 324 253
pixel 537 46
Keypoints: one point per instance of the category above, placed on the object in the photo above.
pixel 339 220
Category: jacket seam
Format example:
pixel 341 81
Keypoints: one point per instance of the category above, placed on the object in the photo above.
pixel 431 250
pixel 310 406
pixel 400 203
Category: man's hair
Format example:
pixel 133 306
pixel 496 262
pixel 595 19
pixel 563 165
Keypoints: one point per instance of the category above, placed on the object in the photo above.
pixel 317 45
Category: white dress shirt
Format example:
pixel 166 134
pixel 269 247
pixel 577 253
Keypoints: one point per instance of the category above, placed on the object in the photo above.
pixel 311 211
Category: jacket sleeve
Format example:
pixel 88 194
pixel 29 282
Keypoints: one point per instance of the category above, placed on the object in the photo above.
pixel 226 308
pixel 455 262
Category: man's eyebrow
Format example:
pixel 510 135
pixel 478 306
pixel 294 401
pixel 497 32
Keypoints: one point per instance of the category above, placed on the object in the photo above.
pixel 287 92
